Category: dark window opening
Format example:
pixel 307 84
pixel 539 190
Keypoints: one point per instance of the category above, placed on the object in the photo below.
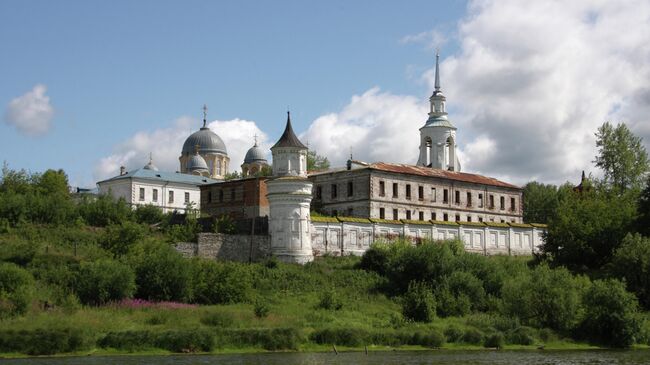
pixel 457 217
pixel 382 213
pixel 480 200
pixel 491 202
pixel 433 216
pixel 512 204
pixel 502 203
pixel 469 218
pixel 480 219
pixel 334 192
pixel 408 191
pixel 421 216
pixel 420 193
pixel 350 188
pixel 457 197
pixel 187 198
pixel 382 188
pixel 232 194
pixel 408 214
pixel 433 194
pixel 469 199
pixel 335 213
pixel 220 195
pixel 395 215
pixel 209 197
pixel 319 192
pixel 395 193
pixel 445 196
pixel 445 217
pixel 141 193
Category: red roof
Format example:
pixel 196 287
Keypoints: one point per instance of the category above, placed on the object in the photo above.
pixel 444 174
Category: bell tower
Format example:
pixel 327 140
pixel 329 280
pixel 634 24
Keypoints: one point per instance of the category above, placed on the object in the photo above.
pixel 438 135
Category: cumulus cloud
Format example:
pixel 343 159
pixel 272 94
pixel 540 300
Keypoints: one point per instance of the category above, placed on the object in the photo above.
pixel 165 145
pixel 430 39
pixel 537 79
pixel 378 126
pixel 31 113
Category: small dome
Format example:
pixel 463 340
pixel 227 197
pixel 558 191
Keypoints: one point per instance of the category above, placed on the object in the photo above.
pixel 150 165
pixel 197 163
pixel 255 154
pixel 208 141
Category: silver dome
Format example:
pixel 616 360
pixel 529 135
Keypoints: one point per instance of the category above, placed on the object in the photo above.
pixel 255 154
pixel 207 140
pixel 197 163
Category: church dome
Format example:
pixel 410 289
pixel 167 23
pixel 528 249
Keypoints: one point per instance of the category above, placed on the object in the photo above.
pixel 197 163
pixel 255 154
pixel 207 140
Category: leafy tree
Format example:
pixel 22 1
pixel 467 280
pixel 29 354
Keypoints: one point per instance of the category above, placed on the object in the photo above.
pixel 643 220
pixel 54 182
pixel 119 238
pixel 103 281
pixel 148 214
pixel 610 316
pixel 220 283
pixel 540 202
pixel 264 171
pixel 621 156
pixel 588 227
pixel 631 263
pixel 316 162
pixel 105 210
pixel 16 287
pixel 232 176
pixel 161 273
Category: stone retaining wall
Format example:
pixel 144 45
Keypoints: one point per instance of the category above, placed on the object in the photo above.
pixel 227 247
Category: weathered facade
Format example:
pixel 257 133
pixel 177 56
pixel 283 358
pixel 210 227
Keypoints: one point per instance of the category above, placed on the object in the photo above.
pixel 396 191
pixel 242 198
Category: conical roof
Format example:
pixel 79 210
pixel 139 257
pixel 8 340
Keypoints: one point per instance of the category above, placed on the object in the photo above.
pixel 289 138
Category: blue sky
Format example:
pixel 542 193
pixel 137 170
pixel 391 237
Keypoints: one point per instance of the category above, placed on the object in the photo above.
pixel 119 71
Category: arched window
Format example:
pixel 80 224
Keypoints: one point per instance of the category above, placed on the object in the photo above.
pixel 218 167
pixel 450 153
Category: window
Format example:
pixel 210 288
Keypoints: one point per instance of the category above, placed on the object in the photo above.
pixel 408 214
pixel 445 217
pixel 433 194
pixel 350 212
pixel 335 213
pixel 382 188
pixel 408 191
pixel 382 213
pixel 480 219
pixel 334 192
pixel 187 198
pixel 218 163
pixel 469 199
pixel 209 197
pixel 512 204
pixel 171 196
pixel 155 195
pixel 469 218
pixel 420 193
pixel 445 196
pixel 220 195
pixel 421 216
pixel 502 203
pixel 491 206
pixel 350 187
pixel 433 216
pixel 395 194
pixel 319 192
pixel 141 194
pixel 232 194
pixel 457 217
pixel 503 221
pixel 480 200
pixel 457 197
pixel 395 215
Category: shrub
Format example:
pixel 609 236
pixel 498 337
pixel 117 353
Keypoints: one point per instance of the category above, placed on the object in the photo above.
pixel 119 238
pixel 127 340
pixel 329 300
pixel 56 269
pixel 610 314
pixel 451 305
pixel 16 287
pixel 161 274
pixel 271 339
pixel 261 308
pixel 432 339
pixel 19 252
pixel 418 304
pixel 521 336
pixel 218 319
pixel 148 214
pixel 453 334
pixel 105 210
pixel 472 336
pixel 224 224
pixel 104 281
pixel 220 283
pixel 344 336
pixel 41 341
pixel 494 340
pixel 185 341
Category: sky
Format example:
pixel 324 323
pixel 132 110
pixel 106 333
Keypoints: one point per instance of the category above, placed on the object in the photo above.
pixel 88 86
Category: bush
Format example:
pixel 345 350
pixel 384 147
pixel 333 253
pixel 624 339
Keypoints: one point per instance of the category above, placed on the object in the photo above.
pixel 104 281
pixel 432 339
pixel 105 210
pixel 344 336
pixel 521 336
pixel 41 341
pixel 494 340
pixel 451 305
pixel 220 282
pixel 56 269
pixel 218 319
pixel 16 287
pixel 418 304
pixel 610 316
pixel 128 340
pixel 473 337
pixel 194 340
pixel 329 300
pixel 453 334
pixel 261 308
pixel 148 214
pixel 161 273
pixel 631 263
pixel 19 252
pixel 271 339
pixel 119 238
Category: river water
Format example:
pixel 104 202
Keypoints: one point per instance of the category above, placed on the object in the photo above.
pixel 604 357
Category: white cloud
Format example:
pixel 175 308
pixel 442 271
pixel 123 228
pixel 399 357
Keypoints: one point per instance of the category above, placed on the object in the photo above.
pixel 379 126
pixel 431 39
pixel 537 79
pixel 166 144
pixel 31 113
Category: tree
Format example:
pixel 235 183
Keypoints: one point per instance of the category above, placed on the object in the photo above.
pixel 16 287
pixel 631 262
pixel 621 156
pixel 540 201
pixel 103 281
pixel 316 162
pixel 643 220
pixel 232 176
pixel 418 303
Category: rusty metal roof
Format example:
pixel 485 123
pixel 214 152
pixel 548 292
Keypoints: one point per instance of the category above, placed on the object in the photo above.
pixel 289 138
pixel 444 174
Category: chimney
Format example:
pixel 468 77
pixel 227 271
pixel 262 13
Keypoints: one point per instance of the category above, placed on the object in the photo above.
pixel 122 170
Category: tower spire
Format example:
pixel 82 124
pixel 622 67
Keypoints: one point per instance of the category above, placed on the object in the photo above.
pixel 437 84
pixel 205 115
